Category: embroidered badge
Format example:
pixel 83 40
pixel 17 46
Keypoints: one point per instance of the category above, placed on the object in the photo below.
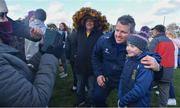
pixel 107 51
pixel 133 76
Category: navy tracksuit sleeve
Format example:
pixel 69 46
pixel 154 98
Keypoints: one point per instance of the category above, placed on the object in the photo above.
pixel 142 84
pixel 97 58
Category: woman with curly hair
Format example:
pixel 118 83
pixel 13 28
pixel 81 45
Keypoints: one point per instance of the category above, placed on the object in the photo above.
pixel 89 25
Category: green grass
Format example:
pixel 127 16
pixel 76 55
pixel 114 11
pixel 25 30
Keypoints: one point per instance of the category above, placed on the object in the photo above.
pixel 63 97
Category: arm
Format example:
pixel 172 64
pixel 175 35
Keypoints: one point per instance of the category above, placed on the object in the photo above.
pixel 141 86
pixel 22 30
pixel 18 91
pixel 152 61
pixel 97 58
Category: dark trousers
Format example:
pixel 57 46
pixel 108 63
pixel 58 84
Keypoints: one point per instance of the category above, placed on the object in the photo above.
pixel 63 61
pixel 171 90
pixel 179 57
pixel 100 94
pixel 82 81
pixel 74 73
pixel 164 85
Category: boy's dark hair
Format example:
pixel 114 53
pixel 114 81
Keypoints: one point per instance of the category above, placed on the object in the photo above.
pixel 127 20
pixel 40 14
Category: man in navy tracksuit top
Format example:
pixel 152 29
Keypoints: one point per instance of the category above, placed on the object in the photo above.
pixel 108 57
pixel 135 82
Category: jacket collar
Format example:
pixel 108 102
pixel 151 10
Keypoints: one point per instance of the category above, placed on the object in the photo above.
pixel 160 34
pixel 152 54
pixel 138 57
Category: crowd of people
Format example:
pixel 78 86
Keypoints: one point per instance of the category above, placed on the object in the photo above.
pixel 130 61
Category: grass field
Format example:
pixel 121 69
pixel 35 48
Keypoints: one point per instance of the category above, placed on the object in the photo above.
pixel 64 97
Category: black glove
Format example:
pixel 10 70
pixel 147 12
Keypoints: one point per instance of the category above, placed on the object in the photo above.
pixel 56 51
pixel 53 43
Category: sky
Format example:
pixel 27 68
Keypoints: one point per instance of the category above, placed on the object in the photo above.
pixel 145 12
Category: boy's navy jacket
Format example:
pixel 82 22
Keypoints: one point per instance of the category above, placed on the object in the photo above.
pixel 108 57
pixel 135 82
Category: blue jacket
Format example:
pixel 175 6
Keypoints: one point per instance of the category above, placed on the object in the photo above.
pixel 135 83
pixel 108 57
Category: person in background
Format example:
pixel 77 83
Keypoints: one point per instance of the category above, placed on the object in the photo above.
pixel 18 85
pixel 63 30
pixel 172 98
pixel 146 30
pixel 136 81
pixel 162 45
pixel 71 55
pixel 90 26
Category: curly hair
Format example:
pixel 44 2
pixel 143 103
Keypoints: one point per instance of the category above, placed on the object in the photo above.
pixel 81 16
pixel 65 26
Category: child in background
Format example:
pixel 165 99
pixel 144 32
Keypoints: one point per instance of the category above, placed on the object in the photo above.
pixel 35 21
pixel 135 82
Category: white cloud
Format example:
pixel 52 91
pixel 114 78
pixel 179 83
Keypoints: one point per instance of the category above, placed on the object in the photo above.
pixel 166 7
pixel 156 15
pixel 15 11
pixel 88 4
pixel 113 14
pixel 57 14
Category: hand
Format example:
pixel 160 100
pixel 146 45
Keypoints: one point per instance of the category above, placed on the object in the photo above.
pixel 150 63
pixel 36 33
pixel 101 80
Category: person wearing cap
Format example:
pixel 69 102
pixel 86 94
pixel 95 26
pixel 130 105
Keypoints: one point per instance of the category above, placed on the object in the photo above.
pixel 162 45
pixel 108 58
pixel 19 86
pixel 135 83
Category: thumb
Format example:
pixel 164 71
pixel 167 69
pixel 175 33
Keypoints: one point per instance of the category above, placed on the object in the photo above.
pixel 103 79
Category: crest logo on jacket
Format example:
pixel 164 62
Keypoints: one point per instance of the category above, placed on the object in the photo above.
pixel 107 51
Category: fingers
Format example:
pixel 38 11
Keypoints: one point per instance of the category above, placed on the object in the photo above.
pixel 101 80
pixel 148 66
pixel 36 32
pixel 150 62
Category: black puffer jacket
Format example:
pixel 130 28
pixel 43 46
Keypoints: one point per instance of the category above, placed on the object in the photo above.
pixel 84 51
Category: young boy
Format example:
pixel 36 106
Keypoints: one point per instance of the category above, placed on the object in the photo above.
pixel 135 81
pixel 35 21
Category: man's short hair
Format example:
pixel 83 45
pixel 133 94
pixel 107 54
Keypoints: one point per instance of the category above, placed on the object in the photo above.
pixel 127 20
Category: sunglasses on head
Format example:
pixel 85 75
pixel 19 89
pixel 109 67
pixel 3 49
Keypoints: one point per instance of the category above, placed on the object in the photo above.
pixel 3 14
